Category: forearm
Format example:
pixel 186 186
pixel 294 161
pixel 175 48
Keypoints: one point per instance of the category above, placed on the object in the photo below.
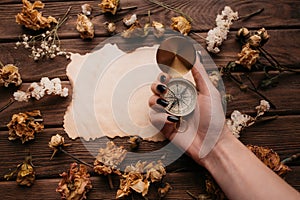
pixel 241 175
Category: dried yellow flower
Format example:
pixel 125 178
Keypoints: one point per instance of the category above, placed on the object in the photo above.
pixel 32 18
pixel 158 29
pixel 9 74
pixel 181 24
pixel 26 173
pixel 108 159
pixel 75 183
pixel 109 6
pixel 270 158
pixel 247 57
pixel 85 27
pixel 164 189
pixel 25 125
pixel 138 178
pixel 57 141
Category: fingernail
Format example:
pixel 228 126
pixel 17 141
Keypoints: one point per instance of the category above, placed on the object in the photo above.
pixel 162 102
pixel 172 118
pixel 163 78
pixel 161 88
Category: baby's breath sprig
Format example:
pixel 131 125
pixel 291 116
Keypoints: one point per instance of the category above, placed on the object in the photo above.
pixel 49 46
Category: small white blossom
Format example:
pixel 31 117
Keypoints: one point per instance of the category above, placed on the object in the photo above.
pixel 262 108
pixel 217 35
pixel 238 121
pixel 21 96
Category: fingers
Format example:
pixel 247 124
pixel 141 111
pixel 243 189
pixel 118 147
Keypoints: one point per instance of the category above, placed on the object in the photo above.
pixel 159 87
pixel 201 78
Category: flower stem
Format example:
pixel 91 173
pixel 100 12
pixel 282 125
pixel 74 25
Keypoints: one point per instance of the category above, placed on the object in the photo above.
pixel 197 34
pixel 1 64
pixel 11 101
pixel 266 119
pixel 77 159
pixel 120 9
pixel 251 14
pixel 110 181
pixel 291 158
pixel 191 195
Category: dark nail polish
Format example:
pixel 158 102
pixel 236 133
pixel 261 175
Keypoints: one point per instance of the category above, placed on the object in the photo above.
pixel 161 88
pixel 163 78
pixel 162 102
pixel 172 118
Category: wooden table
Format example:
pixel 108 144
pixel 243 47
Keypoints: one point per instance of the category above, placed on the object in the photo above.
pixel 282 20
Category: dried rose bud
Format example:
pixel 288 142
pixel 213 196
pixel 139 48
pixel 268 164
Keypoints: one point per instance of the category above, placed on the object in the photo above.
pixel 164 189
pixel 243 33
pixel 75 183
pixel 86 9
pixel 181 24
pixel 85 27
pixel 9 74
pixel 254 41
pixel 135 142
pixel 264 35
pixel 32 18
pixel 110 6
pixel 159 29
pixel 247 57
pixel 23 126
pixel 110 27
pixel 57 141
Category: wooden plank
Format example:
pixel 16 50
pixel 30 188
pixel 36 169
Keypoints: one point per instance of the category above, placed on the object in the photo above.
pixel 180 182
pixel 203 13
pixel 275 134
pixel 285 52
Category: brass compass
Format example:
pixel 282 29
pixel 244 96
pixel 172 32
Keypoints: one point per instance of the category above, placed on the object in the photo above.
pixel 176 56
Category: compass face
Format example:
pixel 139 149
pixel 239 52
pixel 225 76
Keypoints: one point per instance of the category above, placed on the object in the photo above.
pixel 182 97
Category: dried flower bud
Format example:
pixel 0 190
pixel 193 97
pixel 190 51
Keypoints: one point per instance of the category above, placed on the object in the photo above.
pixel 110 6
pixel 108 159
pixel 247 57
pixel 181 24
pixel 85 27
pixel 110 27
pixel 23 126
pixel 9 74
pixel 57 141
pixel 164 189
pixel 32 18
pixel 86 9
pixel 243 33
pixel 159 29
pixel 135 142
pixel 129 20
pixel 264 35
pixel 75 183
pixel 254 41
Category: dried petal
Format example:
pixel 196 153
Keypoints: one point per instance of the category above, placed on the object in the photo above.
pixel 75 183
pixel 23 126
pixel 9 74
pixel 32 18
pixel 109 6
pixel 181 24
pixel 247 57
pixel 85 27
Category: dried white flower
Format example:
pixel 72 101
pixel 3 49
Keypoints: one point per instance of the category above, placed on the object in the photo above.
pixel 128 21
pixel 263 107
pixel 86 9
pixel 21 96
pixel 238 121
pixel 216 36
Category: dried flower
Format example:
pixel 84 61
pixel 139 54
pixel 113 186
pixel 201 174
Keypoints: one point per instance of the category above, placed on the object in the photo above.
pixel 39 90
pixel 110 6
pixel 135 142
pixel 86 9
pixel 23 126
pixel 134 31
pixel 158 29
pixel 181 24
pixel 138 178
pixel 216 36
pixel 243 34
pixel 110 27
pixel 247 57
pixel 214 77
pixel 164 189
pixel 254 40
pixel 75 183
pixel 262 107
pixel 57 141
pixel 264 35
pixel 85 27
pixel 270 158
pixel 108 159
pixel 129 20
pixel 9 74
pixel 32 18
pixel 26 173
